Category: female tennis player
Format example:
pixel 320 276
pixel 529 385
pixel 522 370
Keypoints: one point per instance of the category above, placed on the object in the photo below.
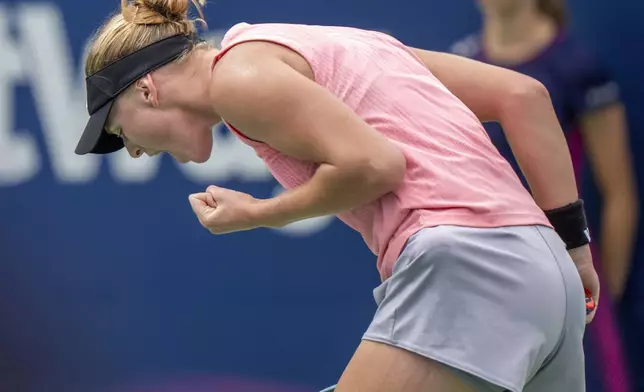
pixel 478 292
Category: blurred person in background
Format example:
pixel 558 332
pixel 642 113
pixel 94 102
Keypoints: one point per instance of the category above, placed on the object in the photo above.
pixel 532 37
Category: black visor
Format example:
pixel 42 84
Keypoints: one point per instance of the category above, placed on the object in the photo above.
pixel 105 85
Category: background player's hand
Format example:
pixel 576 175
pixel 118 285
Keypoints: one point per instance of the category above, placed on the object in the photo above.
pixel 584 261
pixel 223 210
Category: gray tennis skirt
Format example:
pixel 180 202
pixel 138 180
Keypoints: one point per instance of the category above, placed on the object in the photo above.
pixel 502 307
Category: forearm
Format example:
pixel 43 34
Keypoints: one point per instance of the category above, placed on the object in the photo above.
pixel 619 224
pixel 330 191
pixel 538 143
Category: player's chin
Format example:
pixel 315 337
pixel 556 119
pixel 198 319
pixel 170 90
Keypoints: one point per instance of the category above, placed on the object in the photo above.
pixel 200 156
pixel 204 151
pixel 200 159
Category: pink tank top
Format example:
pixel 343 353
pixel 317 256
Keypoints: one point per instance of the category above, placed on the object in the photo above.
pixel 455 176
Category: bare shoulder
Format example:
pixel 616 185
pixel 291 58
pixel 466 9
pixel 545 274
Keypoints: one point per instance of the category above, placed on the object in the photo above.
pixel 249 61
pixel 253 76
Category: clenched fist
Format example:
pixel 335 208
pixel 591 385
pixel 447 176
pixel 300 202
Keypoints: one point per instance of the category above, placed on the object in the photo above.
pixel 223 210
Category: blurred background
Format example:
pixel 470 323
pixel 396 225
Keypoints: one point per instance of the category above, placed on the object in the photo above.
pixel 109 284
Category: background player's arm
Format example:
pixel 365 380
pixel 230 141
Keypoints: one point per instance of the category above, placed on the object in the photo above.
pixel 522 105
pixel 605 138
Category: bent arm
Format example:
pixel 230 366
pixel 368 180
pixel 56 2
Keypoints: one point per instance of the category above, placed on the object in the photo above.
pixel 271 102
pixel 522 105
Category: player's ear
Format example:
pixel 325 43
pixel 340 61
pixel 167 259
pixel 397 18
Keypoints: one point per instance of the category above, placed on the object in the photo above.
pixel 147 90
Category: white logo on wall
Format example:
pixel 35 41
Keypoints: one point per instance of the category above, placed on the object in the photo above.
pixel 38 56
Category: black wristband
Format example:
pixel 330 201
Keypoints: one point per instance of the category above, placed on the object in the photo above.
pixel 570 223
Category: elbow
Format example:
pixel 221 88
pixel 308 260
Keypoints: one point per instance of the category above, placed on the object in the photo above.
pixel 390 176
pixel 526 91
pixel 380 174
pixel 530 91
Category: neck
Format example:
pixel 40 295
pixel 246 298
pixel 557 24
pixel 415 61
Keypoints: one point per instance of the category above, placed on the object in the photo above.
pixel 191 91
pixel 517 36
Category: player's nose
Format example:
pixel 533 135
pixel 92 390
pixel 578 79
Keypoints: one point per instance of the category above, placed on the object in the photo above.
pixel 134 150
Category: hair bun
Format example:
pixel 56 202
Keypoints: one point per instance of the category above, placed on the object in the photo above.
pixel 172 10
pixel 160 11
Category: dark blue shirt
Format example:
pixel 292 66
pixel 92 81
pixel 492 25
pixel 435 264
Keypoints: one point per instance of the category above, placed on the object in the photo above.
pixel 577 82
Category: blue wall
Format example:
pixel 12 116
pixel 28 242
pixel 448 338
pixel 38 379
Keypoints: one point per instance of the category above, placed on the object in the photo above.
pixel 107 279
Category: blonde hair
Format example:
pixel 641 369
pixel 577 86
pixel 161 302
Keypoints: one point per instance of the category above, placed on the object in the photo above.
pixel 555 9
pixel 139 24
